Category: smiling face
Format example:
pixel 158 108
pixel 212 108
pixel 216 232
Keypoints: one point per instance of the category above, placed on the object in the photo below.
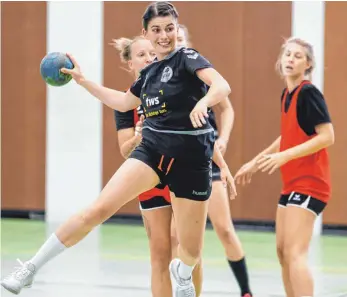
pixel 162 32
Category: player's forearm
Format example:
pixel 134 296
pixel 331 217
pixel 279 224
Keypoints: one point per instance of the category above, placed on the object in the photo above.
pixel 227 122
pixel 273 148
pixel 112 98
pixel 310 147
pixel 218 91
pixel 130 145
pixel 218 158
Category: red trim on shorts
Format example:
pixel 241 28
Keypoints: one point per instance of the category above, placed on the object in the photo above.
pixel 165 193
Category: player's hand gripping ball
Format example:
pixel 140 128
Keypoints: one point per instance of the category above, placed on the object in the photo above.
pixel 50 69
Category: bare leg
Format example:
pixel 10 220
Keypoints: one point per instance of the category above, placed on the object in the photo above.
pixel 219 213
pixel 157 223
pixel 198 269
pixel 298 232
pixel 116 193
pixel 280 235
pixel 190 219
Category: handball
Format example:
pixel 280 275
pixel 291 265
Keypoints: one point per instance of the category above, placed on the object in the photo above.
pixel 50 69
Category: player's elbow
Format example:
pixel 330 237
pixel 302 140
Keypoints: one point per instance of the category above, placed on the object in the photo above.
pixel 225 87
pixel 330 138
pixel 222 86
pixel 327 134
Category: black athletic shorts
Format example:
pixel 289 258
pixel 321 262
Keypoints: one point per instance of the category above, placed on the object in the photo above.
pixel 304 201
pixel 185 178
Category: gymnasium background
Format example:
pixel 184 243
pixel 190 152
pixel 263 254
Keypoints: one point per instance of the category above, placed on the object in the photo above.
pixel 59 145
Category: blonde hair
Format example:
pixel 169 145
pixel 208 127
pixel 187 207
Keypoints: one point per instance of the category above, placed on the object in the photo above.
pixel 309 55
pixel 123 45
pixel 186 34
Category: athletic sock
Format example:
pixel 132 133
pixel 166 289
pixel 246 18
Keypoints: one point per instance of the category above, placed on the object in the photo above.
pixel 239 269
pixel 50 249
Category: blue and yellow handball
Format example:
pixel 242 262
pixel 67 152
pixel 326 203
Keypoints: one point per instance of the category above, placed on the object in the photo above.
pixel 50 69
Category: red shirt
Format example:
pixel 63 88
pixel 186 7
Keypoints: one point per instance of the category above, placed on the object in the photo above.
pixel 308 175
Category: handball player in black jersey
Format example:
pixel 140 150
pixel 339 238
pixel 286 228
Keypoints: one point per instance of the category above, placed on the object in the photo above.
pixel 155 204
pixel 177 146
pixel 218 208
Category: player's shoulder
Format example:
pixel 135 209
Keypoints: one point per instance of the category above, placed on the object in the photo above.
pixel 310 90
pixel 182 52
pixel 190 53
pixel 309 87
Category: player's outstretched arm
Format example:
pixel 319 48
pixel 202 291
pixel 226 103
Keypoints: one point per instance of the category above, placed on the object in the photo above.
pixel 114 99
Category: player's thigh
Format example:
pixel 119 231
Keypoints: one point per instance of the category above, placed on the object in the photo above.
pixel 300 215
pixel 157 222
pixel 191 186
pixel 131 179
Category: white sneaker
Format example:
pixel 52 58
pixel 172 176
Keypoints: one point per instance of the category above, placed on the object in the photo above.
pixel 21 278
pixel 180 287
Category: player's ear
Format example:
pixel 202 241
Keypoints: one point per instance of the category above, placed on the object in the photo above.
pixel 144 32
pixel 130 64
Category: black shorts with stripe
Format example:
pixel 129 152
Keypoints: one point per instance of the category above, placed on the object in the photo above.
pixel 303 201
pixel 186 179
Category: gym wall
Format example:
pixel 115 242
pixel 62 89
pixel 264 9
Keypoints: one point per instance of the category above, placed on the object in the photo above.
pixel 60 147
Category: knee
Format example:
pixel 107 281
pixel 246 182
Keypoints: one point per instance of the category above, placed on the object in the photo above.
pixel 160 257
pixel 292 254
pixel 192 251
pixel 225 233
pixel 280 254
pixel 95 215
pixel 174 240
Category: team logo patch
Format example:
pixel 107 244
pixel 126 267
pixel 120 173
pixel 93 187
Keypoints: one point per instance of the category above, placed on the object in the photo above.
pixel 167 74
pixel 191 54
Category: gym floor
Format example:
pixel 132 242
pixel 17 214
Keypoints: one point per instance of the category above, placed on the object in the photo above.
pixel 114 261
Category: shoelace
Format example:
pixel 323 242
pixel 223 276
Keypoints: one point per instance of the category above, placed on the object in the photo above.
pixel 20 273
pixel 189 292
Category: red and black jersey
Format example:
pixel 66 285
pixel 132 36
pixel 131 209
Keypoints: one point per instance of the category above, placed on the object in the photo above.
pixel 302 110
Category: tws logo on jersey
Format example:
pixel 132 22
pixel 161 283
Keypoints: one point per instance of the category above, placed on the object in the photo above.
pixel 152 101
